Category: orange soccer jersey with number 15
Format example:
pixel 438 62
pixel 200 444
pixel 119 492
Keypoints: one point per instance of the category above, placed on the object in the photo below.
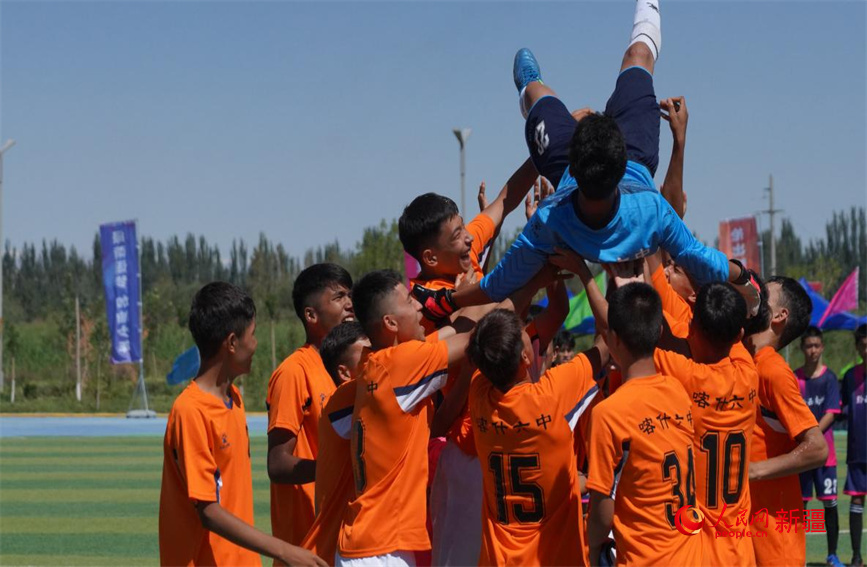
pixel 206 458
pixel 531 513
pixel 334 483
pixel 390 432
pixel 641 456
pixel 782 416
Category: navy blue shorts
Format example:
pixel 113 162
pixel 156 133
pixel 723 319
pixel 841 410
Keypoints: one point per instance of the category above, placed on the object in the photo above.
pixel 824 479
pixel 856 480
pixel 550 126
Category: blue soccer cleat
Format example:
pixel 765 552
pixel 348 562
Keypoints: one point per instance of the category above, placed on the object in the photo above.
pixel 833 561
pixel 526 69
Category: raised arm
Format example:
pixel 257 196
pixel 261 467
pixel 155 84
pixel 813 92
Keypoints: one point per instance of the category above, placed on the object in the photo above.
pixel 672 187
pixel 511 195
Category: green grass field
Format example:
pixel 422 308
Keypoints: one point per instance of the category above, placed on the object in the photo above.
pixel 95 500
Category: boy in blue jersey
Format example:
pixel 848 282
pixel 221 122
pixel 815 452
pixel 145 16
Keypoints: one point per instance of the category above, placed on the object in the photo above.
pixel 819 388
pixel 606 206
pixel 855 407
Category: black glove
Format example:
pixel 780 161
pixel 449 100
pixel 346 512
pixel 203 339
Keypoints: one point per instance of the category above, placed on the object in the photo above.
pixel 436 304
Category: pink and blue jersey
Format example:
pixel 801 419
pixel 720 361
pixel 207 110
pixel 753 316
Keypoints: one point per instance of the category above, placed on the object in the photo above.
pixel 855 408
pixel 822 395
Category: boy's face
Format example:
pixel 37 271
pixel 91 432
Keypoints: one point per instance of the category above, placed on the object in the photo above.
pixel 812 347
pixel 332 307
pixel 452 248
pixel 351 362
pixel 861 348
pixel 404 314
pixel 680 282
pixel 241 356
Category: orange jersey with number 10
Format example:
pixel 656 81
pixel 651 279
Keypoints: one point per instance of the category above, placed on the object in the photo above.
pixel 531 513
pixel 724 402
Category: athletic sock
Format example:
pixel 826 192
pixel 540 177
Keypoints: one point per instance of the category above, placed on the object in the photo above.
pixel 832 525
pixel 646 26
pixel 856 525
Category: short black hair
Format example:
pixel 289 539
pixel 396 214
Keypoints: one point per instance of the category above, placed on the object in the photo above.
pixel 564 340
pixel 720 313
pixel 635 314
pixel 336 343
pixel 860 333
pixel 219 309
pixel 315 279
pixel 495 347
pixel 420 223
pixel 597 156
pixel 762 319
pixel 812 332
pixel 368 294
pixel 794 298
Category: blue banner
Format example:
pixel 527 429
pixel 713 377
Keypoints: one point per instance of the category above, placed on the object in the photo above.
pixel 120 278
pixel 185 368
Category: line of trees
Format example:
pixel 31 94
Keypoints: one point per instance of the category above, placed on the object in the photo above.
pixel 41 283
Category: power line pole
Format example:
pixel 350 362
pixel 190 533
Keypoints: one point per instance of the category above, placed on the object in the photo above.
pixel 771 211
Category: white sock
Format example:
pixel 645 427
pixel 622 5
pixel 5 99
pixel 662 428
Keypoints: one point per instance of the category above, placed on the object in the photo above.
pixel 524 110
pixel 646 27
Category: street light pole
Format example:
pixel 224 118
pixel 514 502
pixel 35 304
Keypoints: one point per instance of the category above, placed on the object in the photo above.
pixel 9 143
pixel 463 134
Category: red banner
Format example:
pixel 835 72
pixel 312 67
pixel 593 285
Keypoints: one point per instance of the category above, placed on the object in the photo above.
pixel 739 239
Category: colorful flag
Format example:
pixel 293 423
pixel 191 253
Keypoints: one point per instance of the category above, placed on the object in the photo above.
pixel 739 240
pixel 845 299
pixel 580 319
pixel 185 367
pixel 120 278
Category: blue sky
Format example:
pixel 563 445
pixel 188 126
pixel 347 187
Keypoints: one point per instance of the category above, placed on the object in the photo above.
pixel 310 121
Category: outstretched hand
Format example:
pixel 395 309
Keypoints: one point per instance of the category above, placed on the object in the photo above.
pixel 567 259
pixel 623 273
pixel 542 188
pixel 677 116
pixel 483 199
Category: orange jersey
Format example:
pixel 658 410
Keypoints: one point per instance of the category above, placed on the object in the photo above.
pixel 641 456
pixel 206 458
pixel 782 416
pixel 389 439
pixel 677 311
pixel 482 229
pixel 297 392
pixel 531 513
pixel 334 483
pixel 724 415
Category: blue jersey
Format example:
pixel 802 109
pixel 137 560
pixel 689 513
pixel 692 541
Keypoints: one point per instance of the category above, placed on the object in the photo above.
pixel 822 395
pixel 855 408
pixel 642 223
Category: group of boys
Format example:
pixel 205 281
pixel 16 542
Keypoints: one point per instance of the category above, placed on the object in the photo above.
pixel 682 423
pixel 832 401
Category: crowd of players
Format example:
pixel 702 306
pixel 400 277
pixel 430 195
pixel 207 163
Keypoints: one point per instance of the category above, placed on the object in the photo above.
pixel 429 422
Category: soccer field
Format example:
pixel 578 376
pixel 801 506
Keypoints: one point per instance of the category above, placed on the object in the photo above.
pixel 95 500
